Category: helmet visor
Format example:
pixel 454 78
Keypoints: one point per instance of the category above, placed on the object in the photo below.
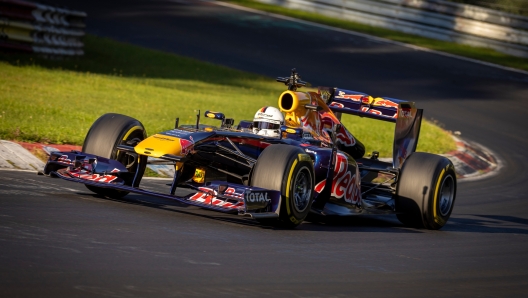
pixel 265 125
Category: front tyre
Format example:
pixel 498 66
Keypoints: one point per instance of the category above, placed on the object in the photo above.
pixel 426 191
pixel 106 133
pixel 289 170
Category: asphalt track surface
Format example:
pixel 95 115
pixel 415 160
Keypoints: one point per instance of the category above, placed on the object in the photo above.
pixel 59 240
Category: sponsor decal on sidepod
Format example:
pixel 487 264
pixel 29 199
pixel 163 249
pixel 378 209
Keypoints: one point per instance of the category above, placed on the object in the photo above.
pixel 345 185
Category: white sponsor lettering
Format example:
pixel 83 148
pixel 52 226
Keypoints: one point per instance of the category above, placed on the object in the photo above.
pixel 260 114
pixel 257 197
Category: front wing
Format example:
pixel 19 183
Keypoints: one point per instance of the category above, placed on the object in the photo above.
pixel 215 195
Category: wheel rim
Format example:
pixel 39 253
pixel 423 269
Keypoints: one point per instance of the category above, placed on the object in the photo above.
pixel 302 189
pixel 128 160
pixel 447 193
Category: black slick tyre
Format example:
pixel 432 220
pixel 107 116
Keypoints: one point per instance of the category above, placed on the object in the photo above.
pixel 426 191
pixel 289 170
pixel 102 139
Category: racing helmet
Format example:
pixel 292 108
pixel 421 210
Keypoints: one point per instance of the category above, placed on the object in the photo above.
pixel 267 122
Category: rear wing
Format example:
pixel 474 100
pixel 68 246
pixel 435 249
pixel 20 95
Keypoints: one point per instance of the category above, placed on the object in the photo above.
pixel 407 117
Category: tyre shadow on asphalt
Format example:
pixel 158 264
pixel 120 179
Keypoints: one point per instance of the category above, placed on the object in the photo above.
pixel 357 223
pixel 177 207
pixel 478 223
pixel 490 224
pixel 368 223
pixel 466 223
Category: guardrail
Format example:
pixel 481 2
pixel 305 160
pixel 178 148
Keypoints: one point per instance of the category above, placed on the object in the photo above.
pixel 460 23
pixel 32 27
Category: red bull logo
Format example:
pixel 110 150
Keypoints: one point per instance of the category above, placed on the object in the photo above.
pixel 372 111
pixel 64 159
pixel 386 103
pixel 95 177
pixel 345 138
pixel 186 146
pixel 353 97
pixel 366 100
pixel 406 113
pixel 208 196
pixel 345 185
pixel 337 105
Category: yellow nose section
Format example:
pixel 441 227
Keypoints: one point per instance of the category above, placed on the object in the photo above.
pixel 159 145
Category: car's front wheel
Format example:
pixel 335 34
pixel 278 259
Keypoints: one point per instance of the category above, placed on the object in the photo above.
pixel 102 139
pixel 289 170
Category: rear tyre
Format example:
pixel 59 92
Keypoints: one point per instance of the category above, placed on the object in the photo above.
pixel 102 139
pixel 426 191
pixel 289 170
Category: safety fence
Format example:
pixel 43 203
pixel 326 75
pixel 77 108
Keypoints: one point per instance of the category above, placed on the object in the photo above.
pixel 460 23
pixel 37 28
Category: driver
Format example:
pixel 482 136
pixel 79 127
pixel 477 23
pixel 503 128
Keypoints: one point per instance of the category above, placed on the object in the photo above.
pixel 267 122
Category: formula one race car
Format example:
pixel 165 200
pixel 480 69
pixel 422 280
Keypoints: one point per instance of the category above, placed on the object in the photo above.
pixel 314 165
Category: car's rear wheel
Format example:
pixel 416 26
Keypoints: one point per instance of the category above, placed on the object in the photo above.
pixel 426 191
pixel 102 139
pixel 289 170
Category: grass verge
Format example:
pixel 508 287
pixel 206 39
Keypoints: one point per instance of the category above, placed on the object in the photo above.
pixel 56 101
pixel 478 53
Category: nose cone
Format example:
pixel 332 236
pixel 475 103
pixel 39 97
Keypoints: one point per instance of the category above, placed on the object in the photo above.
pixel 159 145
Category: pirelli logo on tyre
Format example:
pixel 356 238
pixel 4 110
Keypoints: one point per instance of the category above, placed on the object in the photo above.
pixel 305 157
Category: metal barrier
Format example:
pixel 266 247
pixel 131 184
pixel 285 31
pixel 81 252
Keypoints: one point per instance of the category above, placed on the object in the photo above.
pixel 37 28
pixel 436 19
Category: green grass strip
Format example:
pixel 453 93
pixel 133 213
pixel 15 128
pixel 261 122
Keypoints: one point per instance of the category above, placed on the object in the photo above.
pixel 56 101
pixel 478 53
